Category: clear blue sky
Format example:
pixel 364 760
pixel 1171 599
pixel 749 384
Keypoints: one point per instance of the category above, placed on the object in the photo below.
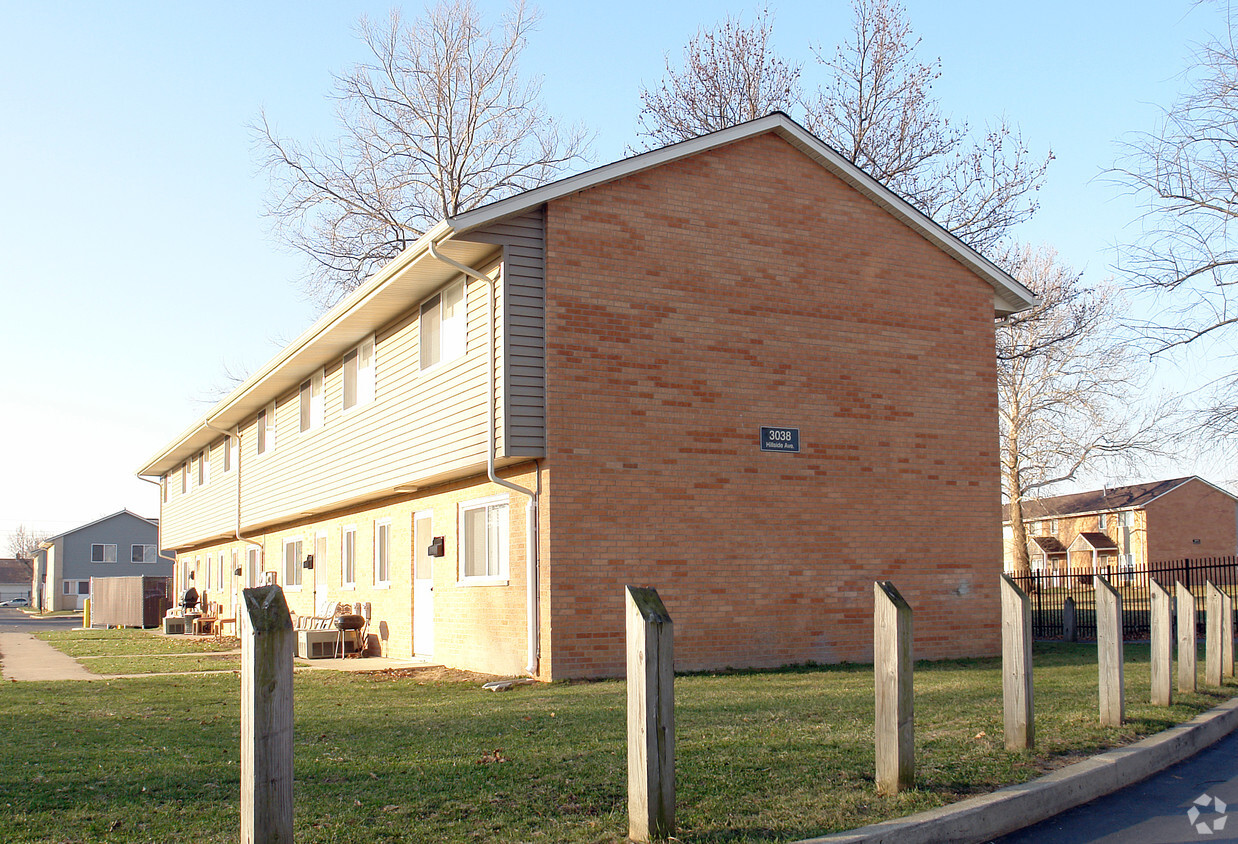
pixel 137 266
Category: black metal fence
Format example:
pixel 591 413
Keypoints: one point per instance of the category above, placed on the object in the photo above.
pixel 1048 591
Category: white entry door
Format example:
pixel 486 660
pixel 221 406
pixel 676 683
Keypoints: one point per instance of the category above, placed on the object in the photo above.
pixel 423 585
pixel 319 573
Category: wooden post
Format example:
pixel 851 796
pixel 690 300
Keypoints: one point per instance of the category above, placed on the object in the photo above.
pixel 266 717
pixel 651 717
pixel 1017 666
pixel 1186 638
pixel 1068 619
pixel 1214 606
pixel 1109 652
pixel 892 667
pixel 1162 644
pixel 1227 634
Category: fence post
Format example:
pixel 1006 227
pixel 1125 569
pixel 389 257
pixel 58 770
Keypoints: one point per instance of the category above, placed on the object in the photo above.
pixel 892 667
pixel 1227 634
pixel 1109 652
pixel 651 716
pixel 1162 644
pixel 1214 606
pixel 1017 666
pixel 266 717
pixel 1069 633
pixel 1187 670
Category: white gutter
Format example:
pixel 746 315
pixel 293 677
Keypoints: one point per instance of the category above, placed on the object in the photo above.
pixel 532 529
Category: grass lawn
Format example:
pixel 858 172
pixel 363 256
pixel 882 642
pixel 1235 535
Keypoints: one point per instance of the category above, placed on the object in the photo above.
pixel 129 642
pixel 762 756
pixel 166 664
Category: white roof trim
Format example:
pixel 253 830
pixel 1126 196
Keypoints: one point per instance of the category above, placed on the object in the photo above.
pixel 1009 295
pixel 47 542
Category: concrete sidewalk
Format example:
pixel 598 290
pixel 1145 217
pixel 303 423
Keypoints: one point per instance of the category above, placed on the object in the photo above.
pixel 27 658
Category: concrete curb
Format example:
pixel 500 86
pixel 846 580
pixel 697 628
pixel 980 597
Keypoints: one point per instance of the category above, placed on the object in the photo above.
pixel 979 819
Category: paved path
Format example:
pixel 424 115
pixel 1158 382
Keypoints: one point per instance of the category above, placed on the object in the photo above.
pixel 24 657
pixel 19 621
pixel 1154 811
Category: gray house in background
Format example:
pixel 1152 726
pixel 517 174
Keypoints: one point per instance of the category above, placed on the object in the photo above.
pixel 120 545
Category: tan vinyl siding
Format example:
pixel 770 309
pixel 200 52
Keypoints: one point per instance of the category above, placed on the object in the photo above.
pixel 419 425
pixel 523 348
pixel 205 511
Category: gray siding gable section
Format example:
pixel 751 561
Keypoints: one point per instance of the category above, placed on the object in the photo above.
pixel 523 240
pixel 124 530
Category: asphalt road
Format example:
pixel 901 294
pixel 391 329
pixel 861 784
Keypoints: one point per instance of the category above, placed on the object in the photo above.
pixel 1157 810
pixel 15 621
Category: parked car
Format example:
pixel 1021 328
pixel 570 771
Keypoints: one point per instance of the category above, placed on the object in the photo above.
pixel 15 602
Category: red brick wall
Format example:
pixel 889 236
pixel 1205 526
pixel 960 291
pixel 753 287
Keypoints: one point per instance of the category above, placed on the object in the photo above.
pixel 1192 511
pixel 689 305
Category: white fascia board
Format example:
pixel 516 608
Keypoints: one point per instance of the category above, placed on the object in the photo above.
pixel 1009 296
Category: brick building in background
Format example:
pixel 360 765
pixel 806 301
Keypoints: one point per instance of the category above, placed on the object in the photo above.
pixel 1127 527
pixel 736 369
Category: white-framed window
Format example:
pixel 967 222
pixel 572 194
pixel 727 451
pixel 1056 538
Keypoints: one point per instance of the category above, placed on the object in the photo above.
pixel 1101 520
pixel 382 552
pixel 484 540
pixel 292 562
pixel 266 429
pixel 235 559
pixel 348 557
pixel 358 375
pixel 204 467
pixel 76 587
pixel 143 554
pixel 220 581
pixel 185 478
pixel 312 404
pixel 444 325
pixel 103 553
pixel 253 558
pixel 229 444
pixel 1126 518
pixel 1053 526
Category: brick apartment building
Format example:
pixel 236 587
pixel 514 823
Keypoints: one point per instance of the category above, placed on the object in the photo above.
pixel 736 369
pixel 1124 527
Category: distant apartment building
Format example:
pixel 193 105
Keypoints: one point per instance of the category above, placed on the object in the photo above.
pixel 1123 527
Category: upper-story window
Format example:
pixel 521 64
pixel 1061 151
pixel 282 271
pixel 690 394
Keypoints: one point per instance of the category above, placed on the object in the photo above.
pixel 266 429
pixel 1101 521
pixel 444 326
pixel 229 444
pixel 142 554
pixel 1125 518
pixel 185 478
pixel 103 553
pixel 312 405
pixel 1053 526
pixel 204 467
pixel 359 375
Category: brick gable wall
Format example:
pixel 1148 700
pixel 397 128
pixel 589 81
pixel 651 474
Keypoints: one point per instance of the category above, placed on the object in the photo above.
pixel 747 286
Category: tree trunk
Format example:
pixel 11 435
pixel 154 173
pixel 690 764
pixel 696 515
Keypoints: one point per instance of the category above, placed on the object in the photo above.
pixel 1021 563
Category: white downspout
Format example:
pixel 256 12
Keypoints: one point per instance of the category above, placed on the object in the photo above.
pixel 236 529
pixel 531 555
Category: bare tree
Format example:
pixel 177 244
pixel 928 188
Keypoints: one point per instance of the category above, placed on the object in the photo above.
pixel 729 75
pixel 1185 173
pixel 24 543
pixel 877 108
pixel 438 123
pixel 1071 387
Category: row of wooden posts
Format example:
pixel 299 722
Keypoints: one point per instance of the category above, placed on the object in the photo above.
pixel 266 691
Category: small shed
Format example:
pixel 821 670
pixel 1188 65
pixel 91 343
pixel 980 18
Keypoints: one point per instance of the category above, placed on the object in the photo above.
pixel 138 601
